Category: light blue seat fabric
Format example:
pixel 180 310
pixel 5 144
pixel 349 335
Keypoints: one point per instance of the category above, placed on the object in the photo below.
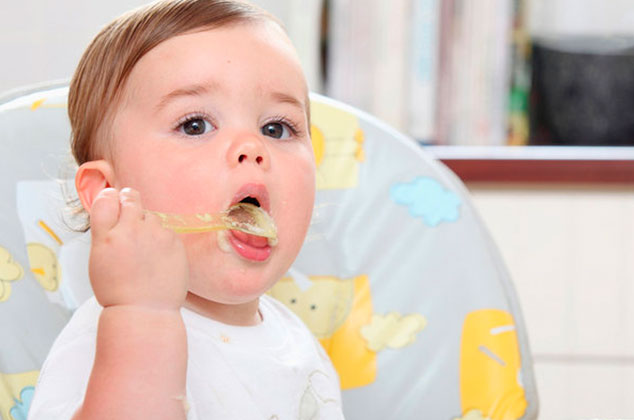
pixel 31 314
pixel 398 277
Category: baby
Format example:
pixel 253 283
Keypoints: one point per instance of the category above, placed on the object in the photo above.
pixel 187 107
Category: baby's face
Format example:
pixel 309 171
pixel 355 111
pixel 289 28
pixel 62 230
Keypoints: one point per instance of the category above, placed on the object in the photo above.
pixel 208 119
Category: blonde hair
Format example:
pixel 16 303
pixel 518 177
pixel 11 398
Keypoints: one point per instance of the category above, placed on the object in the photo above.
pixel 97 84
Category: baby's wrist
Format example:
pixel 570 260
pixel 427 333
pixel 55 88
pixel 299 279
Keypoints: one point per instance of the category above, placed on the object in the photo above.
pixel 138 302
pixel 145 326
pixel 144 309
pixel 145 315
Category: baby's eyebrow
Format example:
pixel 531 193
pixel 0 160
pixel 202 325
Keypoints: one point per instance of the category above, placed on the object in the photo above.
pixel 202 89
pixel 192 90
pixel 288 99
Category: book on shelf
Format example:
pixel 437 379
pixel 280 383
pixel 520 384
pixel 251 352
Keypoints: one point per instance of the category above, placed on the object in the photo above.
pixel 438 70
pixel 520 84
pixel 424 54
pixel 367 57
pixel 475 72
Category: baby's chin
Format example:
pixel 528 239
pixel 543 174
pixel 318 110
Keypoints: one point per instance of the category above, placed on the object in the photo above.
pixel 234 279
pixel 218 273
pixel 233 312
pixel 231 287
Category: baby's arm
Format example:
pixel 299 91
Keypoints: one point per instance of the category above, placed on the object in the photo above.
pixel 139 274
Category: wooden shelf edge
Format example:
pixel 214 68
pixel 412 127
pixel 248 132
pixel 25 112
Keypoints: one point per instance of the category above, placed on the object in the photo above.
pixel 534 164
pixel 543 171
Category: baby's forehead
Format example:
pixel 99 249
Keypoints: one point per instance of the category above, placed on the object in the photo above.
pixel 254 56
pixel 230 39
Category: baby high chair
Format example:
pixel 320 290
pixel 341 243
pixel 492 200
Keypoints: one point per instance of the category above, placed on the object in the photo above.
pixel 398 278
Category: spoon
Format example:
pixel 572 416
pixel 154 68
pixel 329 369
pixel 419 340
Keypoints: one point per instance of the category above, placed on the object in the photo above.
pixel 244 217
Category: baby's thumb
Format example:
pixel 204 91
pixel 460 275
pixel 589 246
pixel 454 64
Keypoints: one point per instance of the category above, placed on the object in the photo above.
pixel 104 212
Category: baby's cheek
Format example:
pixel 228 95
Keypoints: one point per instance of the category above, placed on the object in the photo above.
pixel 204 256
pixel 199 243
pixel 190 192
pixel 200 249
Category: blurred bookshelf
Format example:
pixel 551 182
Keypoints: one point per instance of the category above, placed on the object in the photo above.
pixel 465 73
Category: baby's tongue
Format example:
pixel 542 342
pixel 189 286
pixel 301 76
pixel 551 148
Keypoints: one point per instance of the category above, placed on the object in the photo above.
pixel 253 240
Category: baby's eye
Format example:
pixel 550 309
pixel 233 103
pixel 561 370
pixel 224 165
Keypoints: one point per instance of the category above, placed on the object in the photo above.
pixel 195 126
pixel 276 130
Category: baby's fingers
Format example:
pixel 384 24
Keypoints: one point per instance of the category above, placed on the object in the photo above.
pixel 104 212
pixel 131 207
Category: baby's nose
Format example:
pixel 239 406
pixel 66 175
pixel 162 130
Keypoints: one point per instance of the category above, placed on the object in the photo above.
pixel 248 149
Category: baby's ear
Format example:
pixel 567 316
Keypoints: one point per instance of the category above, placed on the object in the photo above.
pixel 90 179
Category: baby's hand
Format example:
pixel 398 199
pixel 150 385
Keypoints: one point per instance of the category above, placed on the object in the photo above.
pixel 133 259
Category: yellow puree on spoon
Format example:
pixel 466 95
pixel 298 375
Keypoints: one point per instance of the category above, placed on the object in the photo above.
pixel 244 217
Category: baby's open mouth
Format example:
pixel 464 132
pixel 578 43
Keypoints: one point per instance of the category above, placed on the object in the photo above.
pixel 255 232
pixel 251 200
pixel 248 218
pixel 250 247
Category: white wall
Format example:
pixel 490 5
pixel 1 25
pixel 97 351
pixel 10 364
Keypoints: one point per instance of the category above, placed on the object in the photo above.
pixel 570 252
pixel 42 40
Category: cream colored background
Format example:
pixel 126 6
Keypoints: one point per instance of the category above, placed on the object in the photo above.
pixel 570 251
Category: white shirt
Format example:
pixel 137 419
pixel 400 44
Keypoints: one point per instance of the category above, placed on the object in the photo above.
pixel 275 370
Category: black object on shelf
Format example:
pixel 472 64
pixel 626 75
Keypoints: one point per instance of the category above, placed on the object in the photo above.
pixel 582 91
